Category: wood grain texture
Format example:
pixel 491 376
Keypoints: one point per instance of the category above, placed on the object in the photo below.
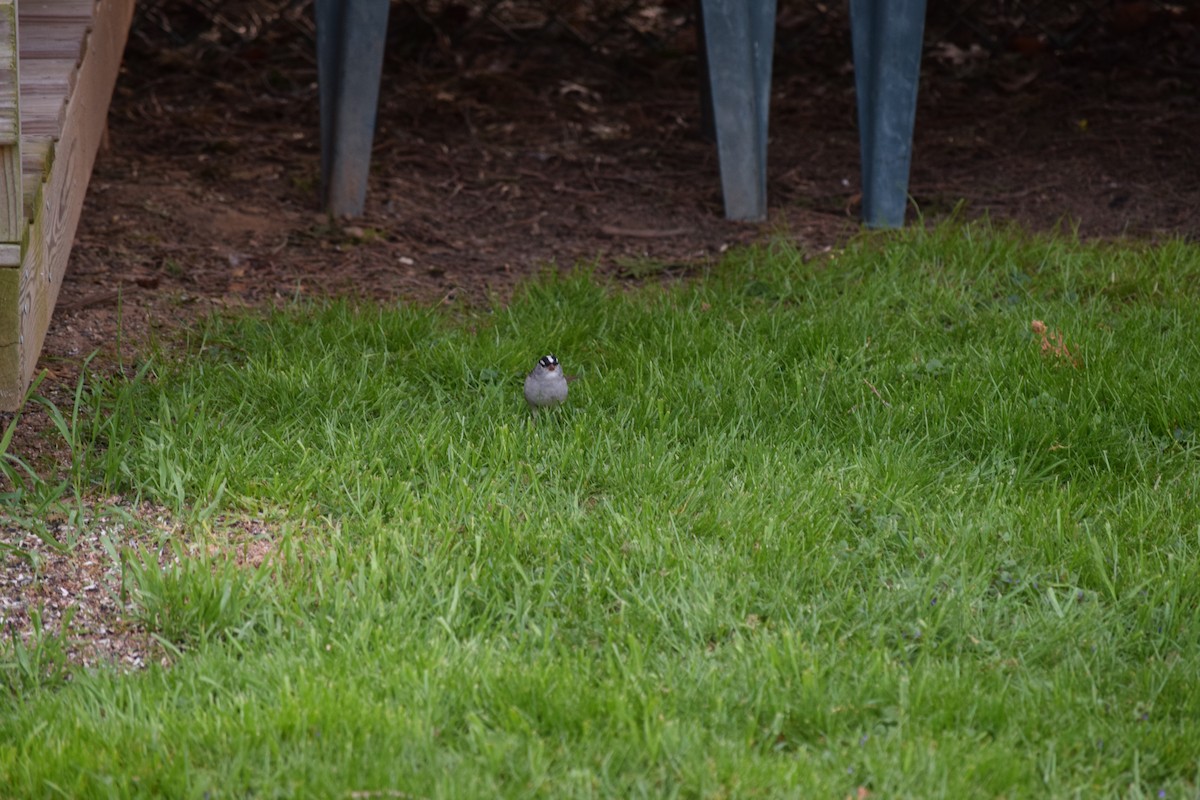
pixel 57 9
pixel 46 36
pixel 58 200
pixel 10 323
pixel 42 114
pixel 12 216
pixel 9 127
pixel 12 199
pixel 35 169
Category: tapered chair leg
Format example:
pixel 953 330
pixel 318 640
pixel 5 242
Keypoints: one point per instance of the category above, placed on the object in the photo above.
pixel 739 43
pixel 707 127
pixel 350 39
pixel 886 36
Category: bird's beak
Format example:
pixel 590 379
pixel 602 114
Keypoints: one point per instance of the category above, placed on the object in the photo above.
pixel 551 368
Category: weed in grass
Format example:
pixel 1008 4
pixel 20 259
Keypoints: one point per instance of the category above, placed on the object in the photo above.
pixel 1054 346
pixel 187 598
pixel 28 498
pixel 35 662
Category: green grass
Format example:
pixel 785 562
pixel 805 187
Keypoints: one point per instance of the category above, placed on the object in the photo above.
pixel 803 527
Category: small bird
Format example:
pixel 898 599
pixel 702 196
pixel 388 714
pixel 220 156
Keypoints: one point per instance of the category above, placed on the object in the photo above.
pixel 546 385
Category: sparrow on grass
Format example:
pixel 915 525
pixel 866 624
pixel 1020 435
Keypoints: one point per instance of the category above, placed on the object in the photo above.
pixel 546 385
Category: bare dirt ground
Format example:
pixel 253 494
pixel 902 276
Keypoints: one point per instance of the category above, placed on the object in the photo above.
pixel 502 148
pixel 495 157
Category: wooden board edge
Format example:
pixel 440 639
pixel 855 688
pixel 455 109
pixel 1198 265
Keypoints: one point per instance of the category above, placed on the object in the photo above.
pixel 12 206
pixel 60 201
pixel 12 391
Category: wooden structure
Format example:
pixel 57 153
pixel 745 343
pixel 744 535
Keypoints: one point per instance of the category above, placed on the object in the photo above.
pixel 58 64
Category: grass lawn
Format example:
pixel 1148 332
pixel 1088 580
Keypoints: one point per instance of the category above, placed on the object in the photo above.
pixel 804 529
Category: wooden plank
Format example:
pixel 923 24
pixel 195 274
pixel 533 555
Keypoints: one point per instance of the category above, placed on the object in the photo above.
pixel 12 206
pixel 58 9
pixel 47 75
pixel 35 167
pixel 58 202
pixel 10 351
pixel 42 115
pixel 10 128
pixel 12 196
pixel 51 37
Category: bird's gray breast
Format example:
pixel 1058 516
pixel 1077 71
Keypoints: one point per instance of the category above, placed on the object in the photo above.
pixel 545 390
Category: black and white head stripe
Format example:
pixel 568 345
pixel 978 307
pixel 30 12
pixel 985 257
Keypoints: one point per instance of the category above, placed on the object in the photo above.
pixel 548 361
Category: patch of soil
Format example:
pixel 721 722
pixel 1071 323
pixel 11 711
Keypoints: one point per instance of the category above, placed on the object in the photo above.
pixel 78 589
pixel 67 582
pixel 502 147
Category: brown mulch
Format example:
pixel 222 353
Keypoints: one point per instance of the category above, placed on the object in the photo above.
pixel 495 157
pixel 499 152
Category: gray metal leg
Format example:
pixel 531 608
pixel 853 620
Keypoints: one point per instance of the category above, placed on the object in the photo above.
pixel 740 40
pixel 707 127
pixel 350 40
pixel 886 36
